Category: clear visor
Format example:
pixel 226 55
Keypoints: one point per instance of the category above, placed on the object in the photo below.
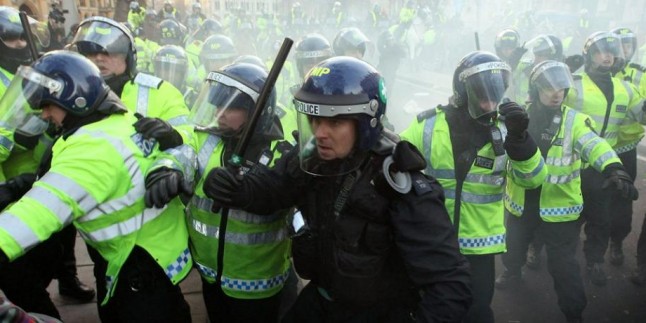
pixel 320 158
pixel 100 37
pixel 215 63
pixel 223 105
pixel 608 45
pixel 21 98
pixel 486 85
pixel 171 69
pixel 551 77
pixel 539 49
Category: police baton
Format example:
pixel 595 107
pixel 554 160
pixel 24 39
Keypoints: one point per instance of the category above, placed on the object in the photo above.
pixel 241 147
pixel 24 20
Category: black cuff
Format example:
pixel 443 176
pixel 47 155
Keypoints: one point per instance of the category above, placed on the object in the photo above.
pixel 519 148
pixel 611 168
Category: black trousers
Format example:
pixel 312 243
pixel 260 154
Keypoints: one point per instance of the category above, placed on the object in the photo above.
pixel 311 307
pixel 223 308
pixel 143 292
pixel 641 245
pixel 597 206
pixel 67 265
pixel 560 240
pixel 622 215
pixel 483 276
pixel 25 279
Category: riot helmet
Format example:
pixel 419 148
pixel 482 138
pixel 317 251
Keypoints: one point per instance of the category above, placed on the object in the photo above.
pixel 13 46
pixel 505 43
pixel 101 35
pixel 350 42
pixel 628 42
pixel 479 84
pixel 603 53
pixel 134 5
pixel 207 28
pixel 227 100
pixel 171 65
pixel 549 83
pixel 251 59
pixel 217 51
pixel 171 32
pixel 545 47
pixel 312 49
pixel 339 89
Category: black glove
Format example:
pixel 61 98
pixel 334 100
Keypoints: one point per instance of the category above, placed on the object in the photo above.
pixel 163 185
pixel 160 130
pixel 13 189
pixel 574 62
pixel 515 56
pixel 516 119
pixel 226 189
pixel 618 178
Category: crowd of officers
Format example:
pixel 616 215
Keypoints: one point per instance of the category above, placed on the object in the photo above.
pixel 133 140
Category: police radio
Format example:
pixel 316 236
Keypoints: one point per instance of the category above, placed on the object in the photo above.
pixel 496 140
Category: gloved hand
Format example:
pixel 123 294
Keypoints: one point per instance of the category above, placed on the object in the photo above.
pixel 163 185
pixel 13 189
pixel 516 119
pixel 619 179
pixel 160 130
pixel 226 189
pixel 516 55
pixel 574 62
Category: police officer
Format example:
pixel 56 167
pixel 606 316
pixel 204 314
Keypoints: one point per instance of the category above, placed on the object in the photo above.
pixel 171 64
pixel 467 148
pixel 195 41
pixel 196 18
pixel 350 42
pixel 171 32
pixel 256 246
pixel 630 134
pixel 608 101
pixel 169 11
pixel 373 251
pixel 508 48
pixel 566 139
pixel 136 15
pixel 142 253
pixel 217 51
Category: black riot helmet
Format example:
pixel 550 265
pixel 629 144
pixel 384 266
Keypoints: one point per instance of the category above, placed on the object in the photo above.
pixel 549 76
pixel 104 35
pixel 171 65
pixel 628 42
pixel 235 87
pixel 546 47
pixel 217 51
pixel 207 28
pixel 312 49
pixel 171 32
pixel 604 42
pixel 10 30
pixel 350 41
pixel 507 39
pixel 479 84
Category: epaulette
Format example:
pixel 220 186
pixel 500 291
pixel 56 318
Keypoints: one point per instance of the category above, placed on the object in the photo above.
pixel 427 114
pixel 637 67
pixel 148 80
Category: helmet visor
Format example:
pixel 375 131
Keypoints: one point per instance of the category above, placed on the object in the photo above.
pixel 223 106
pixel 334 153
pixel 23 96
pixel 98 36
pixel 171 69
pixel 486 84
pixel 552 76
pixel 540 49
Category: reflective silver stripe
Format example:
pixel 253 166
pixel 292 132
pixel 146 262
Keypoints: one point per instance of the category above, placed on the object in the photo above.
pixel 19 230
pixel 5 80
pixel 611 134
pixel 205 153
pixel 482 241
pixel 604 158
pixel 6 142
pixel 578 85
pixel 583 140
pixel 585 152
pixel 212 231
pixel 183 260
pixel 562 179
pixel 142 100
pixel 427 141
pixel 137 189
pixel 65 184
pixel 473 198
pixel 531 174
pixel 567 133
pixel 185 155
pixel 637 80
pixel 629 90
pixel 125 227
pixel 491 179
pixel 205 204
pixel 245 285
pixel 563 161
pixel 52 203
pixel 611 120
pixel 178 121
